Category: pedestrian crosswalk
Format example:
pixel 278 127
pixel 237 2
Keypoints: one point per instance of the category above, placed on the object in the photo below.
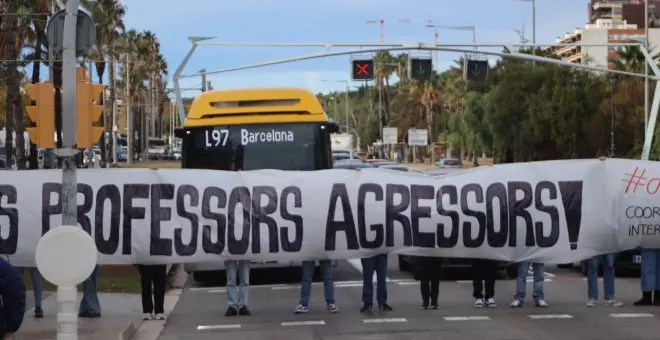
pixel 449 318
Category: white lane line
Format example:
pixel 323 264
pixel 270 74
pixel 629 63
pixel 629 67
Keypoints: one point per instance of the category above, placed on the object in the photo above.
pixel 302 323
pixel 217 291
pixel 551 275
pixel 407 283
pixel 385 320
pixel 550 316
pixel 527 280
pixel 631 315
pixel 466 318
pixel 212 327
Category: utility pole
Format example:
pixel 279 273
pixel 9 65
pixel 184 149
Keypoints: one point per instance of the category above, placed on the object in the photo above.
pixel 115 129
pixel 646 64
pixel 204 88
pixel 129 116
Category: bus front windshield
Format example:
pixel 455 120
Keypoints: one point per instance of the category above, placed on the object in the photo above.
pixel 299 146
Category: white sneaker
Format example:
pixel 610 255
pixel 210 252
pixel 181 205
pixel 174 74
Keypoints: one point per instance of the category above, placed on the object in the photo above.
pixel 591 303
pixel 541 303
pixel 147 316
pixel 613 303
pixel 300 309
pixel 516 304
pixel 332 308
pixel 491 303
pixel 160 316
pixel 478 303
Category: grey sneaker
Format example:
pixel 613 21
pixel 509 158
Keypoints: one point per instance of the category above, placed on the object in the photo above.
pixel 613 303
pixel 591 303
pixel 300 309
pixel 332 308
pixel 541 303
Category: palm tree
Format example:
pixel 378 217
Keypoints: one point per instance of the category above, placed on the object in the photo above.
pixel 108 16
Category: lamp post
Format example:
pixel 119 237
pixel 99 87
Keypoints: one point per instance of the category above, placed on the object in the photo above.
pixel 533 23
pixel 472 28
pixel 346 97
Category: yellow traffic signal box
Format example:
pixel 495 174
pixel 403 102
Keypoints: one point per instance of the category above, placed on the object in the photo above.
pixel 42 114
pixel 88 110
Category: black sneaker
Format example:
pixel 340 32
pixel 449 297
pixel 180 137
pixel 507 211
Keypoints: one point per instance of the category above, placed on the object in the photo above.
pixel 244 311
pixel 231 311
pixel 385 308
pixel 366 308
pixel 424 306
pixel 38 313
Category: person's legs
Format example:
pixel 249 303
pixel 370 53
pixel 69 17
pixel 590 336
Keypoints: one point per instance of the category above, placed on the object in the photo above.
pixel 159 274
pixel 435 290
pixel 477 269
pixel 37 286
pixel 425 290
pixel 649 266
pixel 592 279
pixel 231 268
pixel 328 283
pixel 90 307
pixel 145 282
pixel 521 284
pixel 381 282
pixel 490 274
pixel 244 286
pixel 305 286
pixel 539 281
pixel 368 268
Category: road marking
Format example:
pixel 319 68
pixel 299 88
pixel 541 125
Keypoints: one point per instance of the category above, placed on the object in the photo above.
pixel 550 316
pixel 302 323
pixel 385 320
pixel 466 318
pixel 407 283
pixel 527 280
pixel 631 315
pixel 216 291
pixel 212 327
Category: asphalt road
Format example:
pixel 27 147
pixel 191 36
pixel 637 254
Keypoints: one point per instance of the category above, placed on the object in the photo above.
pixel 199 313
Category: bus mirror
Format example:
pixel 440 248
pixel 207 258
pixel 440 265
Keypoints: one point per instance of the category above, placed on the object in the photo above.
pixel 332 127
pixel 179 132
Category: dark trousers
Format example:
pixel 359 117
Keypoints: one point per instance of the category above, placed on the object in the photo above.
pixel 377 264
pixel 153 275
pixel 430 288
pixel 483 271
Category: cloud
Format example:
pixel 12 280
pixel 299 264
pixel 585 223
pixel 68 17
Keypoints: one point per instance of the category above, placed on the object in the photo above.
pixel 312 79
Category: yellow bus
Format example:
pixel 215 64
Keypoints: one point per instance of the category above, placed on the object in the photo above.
pixel 251 129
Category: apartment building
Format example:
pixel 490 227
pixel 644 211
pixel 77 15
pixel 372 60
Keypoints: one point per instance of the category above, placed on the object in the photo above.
pixel 609 21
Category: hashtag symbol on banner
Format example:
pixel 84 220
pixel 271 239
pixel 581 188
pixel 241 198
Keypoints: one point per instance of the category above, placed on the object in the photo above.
pixel 638 180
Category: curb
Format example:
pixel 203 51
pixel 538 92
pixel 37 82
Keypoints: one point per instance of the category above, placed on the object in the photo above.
pixel 128 332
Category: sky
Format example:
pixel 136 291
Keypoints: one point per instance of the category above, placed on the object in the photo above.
pixel 300 21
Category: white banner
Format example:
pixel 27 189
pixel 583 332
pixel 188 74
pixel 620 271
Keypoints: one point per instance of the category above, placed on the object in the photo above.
pixel 551 212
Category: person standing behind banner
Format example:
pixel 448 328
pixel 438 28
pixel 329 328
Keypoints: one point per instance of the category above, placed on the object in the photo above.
pixel 37 287
pixel 90 306
pixel 306 286
pixel 429 271
pixel 537 286
pixel 484 271
pixel 650 278
pixel 12 299
pixel 608 280
pixel 378 264
pixel 237 297
pixel 152 281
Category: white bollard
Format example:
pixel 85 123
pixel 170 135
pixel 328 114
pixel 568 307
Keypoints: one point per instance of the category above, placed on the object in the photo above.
pixel 66 256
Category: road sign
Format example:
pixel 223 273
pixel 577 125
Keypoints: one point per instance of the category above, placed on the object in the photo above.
pixel 417 137
pixel 362 69
pixel 420 68
pixel 475 70
pixel 66 256
pixel 390 135
pixel 85 33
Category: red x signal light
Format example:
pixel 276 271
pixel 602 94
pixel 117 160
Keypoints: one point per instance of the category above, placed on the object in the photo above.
pixel 363 69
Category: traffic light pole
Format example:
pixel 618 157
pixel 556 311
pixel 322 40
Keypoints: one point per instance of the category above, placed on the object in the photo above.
pixel 69 150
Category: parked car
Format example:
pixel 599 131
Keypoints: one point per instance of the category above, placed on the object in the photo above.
pixel 448 163
pixel 398 167
pixel 353 164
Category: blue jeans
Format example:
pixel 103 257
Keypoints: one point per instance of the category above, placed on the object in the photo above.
pixel 608 276
pixel 521 281
pixel 90 300
pixel 35 277
pixel 650 270
pixel 238 298
pixel 377 263
pixel 308 275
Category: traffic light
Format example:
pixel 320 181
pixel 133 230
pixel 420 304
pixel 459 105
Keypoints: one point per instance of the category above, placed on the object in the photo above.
pixel 88 111
pixel 475 70
pixel 420 68
pixel 363 69
pixel 42 114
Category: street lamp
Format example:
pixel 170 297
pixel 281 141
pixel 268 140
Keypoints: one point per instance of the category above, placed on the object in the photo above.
pixel 533 23
pixel 381 22
pixel 346 99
